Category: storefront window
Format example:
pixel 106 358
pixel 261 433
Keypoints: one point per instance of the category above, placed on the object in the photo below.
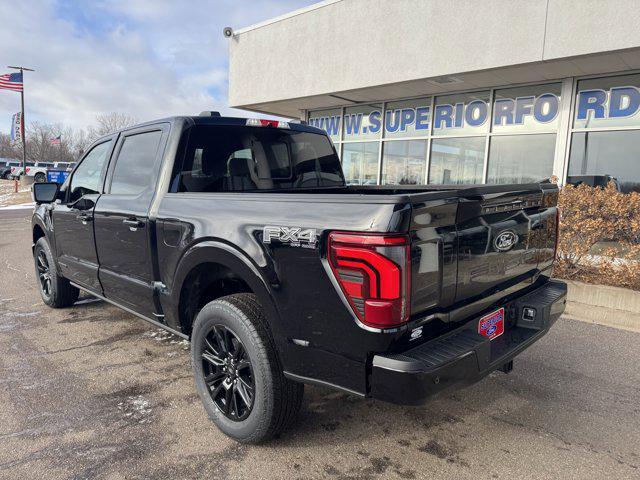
pixel 362 122
pixel 328 120
pixel 404 162
pixel 612 153
pixel 608 102
pixel 360 163
pixel 528 109
pixel 461 114
pixel 451 132
pixel 457 160
pixel 521 158
pixel 408 118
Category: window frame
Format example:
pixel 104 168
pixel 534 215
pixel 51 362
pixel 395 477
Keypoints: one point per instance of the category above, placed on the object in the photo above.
pixel 571 129
pixel 69 183
pixel 163 127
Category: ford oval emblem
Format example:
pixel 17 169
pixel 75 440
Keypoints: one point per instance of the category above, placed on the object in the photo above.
pixel 505 240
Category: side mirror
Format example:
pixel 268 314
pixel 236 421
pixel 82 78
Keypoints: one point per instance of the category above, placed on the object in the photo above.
pixel 83 204
pixel 44 192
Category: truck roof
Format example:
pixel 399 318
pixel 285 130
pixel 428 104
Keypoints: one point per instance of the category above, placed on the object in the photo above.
pixel 210 118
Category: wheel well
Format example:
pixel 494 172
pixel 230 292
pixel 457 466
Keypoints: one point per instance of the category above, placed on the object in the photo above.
pixel 37 233
pixel 205 283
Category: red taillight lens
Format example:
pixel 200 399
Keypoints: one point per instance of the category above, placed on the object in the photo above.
pixel 373 273
pixel 28 169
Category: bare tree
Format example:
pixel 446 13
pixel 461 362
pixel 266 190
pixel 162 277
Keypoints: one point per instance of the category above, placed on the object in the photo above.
pixel 9 149
pixel 39 148
pixel 73 142
pixel 112 122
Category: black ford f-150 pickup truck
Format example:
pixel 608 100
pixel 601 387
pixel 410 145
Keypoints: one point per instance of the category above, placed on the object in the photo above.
pixel 242 236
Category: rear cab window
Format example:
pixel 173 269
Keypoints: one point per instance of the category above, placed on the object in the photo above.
pixel 221 158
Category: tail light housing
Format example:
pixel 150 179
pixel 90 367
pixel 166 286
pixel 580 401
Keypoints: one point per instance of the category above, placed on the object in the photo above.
pixel 263 122
pixel 28 169
pixel 373 273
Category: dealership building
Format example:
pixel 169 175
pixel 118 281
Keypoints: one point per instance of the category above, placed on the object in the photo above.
pixel 455 92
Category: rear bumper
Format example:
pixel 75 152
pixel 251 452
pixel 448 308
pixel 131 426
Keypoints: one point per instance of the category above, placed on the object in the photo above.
pixel 463 356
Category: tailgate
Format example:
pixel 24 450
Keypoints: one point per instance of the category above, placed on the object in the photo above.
pixel 480 241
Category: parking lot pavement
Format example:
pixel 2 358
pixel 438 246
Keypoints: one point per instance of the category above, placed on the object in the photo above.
pixel 93 392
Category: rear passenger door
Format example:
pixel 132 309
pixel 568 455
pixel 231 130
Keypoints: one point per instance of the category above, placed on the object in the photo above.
pixel 123 233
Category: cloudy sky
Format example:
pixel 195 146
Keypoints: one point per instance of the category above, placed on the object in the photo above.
pixel 146 58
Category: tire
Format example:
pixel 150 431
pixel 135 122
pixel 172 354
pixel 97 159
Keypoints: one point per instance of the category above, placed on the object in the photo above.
pixel 276 400
pixel 40 178
pixel 60 293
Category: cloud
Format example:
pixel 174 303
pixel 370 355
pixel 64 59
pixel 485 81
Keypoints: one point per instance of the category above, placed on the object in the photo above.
pixel 145 58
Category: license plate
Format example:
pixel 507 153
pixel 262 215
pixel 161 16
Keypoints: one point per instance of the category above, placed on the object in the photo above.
pixel 492 325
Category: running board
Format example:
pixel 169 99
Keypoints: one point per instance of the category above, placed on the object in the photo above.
pixel 128 310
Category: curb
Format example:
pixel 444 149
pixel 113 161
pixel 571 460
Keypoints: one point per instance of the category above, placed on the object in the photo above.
pixel 603 305
pixel 607 317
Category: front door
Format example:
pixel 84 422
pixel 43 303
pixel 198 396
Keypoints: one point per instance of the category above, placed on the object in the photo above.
pixel 73 219
pixel 124 235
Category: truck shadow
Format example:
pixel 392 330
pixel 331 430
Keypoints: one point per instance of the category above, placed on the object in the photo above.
pixel 438 428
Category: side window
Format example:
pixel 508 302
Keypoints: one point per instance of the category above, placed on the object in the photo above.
pixel 86 179
pixel 135 163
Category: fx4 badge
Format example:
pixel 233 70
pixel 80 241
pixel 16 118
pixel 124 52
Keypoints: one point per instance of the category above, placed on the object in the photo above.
pixel 294 236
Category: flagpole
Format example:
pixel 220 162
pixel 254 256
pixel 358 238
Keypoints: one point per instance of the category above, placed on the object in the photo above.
pixel 22 123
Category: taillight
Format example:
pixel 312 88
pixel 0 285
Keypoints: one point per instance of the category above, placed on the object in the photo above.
pixel 28 169
pixel 373 273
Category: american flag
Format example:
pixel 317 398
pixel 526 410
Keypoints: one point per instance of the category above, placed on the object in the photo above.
pixel 11 81
pixel 56 140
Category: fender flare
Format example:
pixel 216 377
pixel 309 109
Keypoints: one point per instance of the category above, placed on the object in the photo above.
pixel 216 251
pixel 38 221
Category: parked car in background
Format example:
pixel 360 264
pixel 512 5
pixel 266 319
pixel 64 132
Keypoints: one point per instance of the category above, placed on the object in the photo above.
pixel 594 181
pixel 63 166
pixel 39 171
pixel 60 172
pixel 16 171
pixel 5 167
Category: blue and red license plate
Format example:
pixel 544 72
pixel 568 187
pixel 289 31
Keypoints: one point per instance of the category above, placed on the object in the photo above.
pixel 492 325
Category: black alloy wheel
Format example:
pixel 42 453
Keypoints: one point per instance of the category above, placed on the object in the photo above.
pixel 44 273
pixel 228 373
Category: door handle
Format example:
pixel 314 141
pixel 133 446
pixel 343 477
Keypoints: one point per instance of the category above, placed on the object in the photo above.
pixel 84 218
pixel 133 223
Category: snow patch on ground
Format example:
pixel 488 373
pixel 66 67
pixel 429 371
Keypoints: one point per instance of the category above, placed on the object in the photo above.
pixel 136 409
pixel 161 335
pixel 21 206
